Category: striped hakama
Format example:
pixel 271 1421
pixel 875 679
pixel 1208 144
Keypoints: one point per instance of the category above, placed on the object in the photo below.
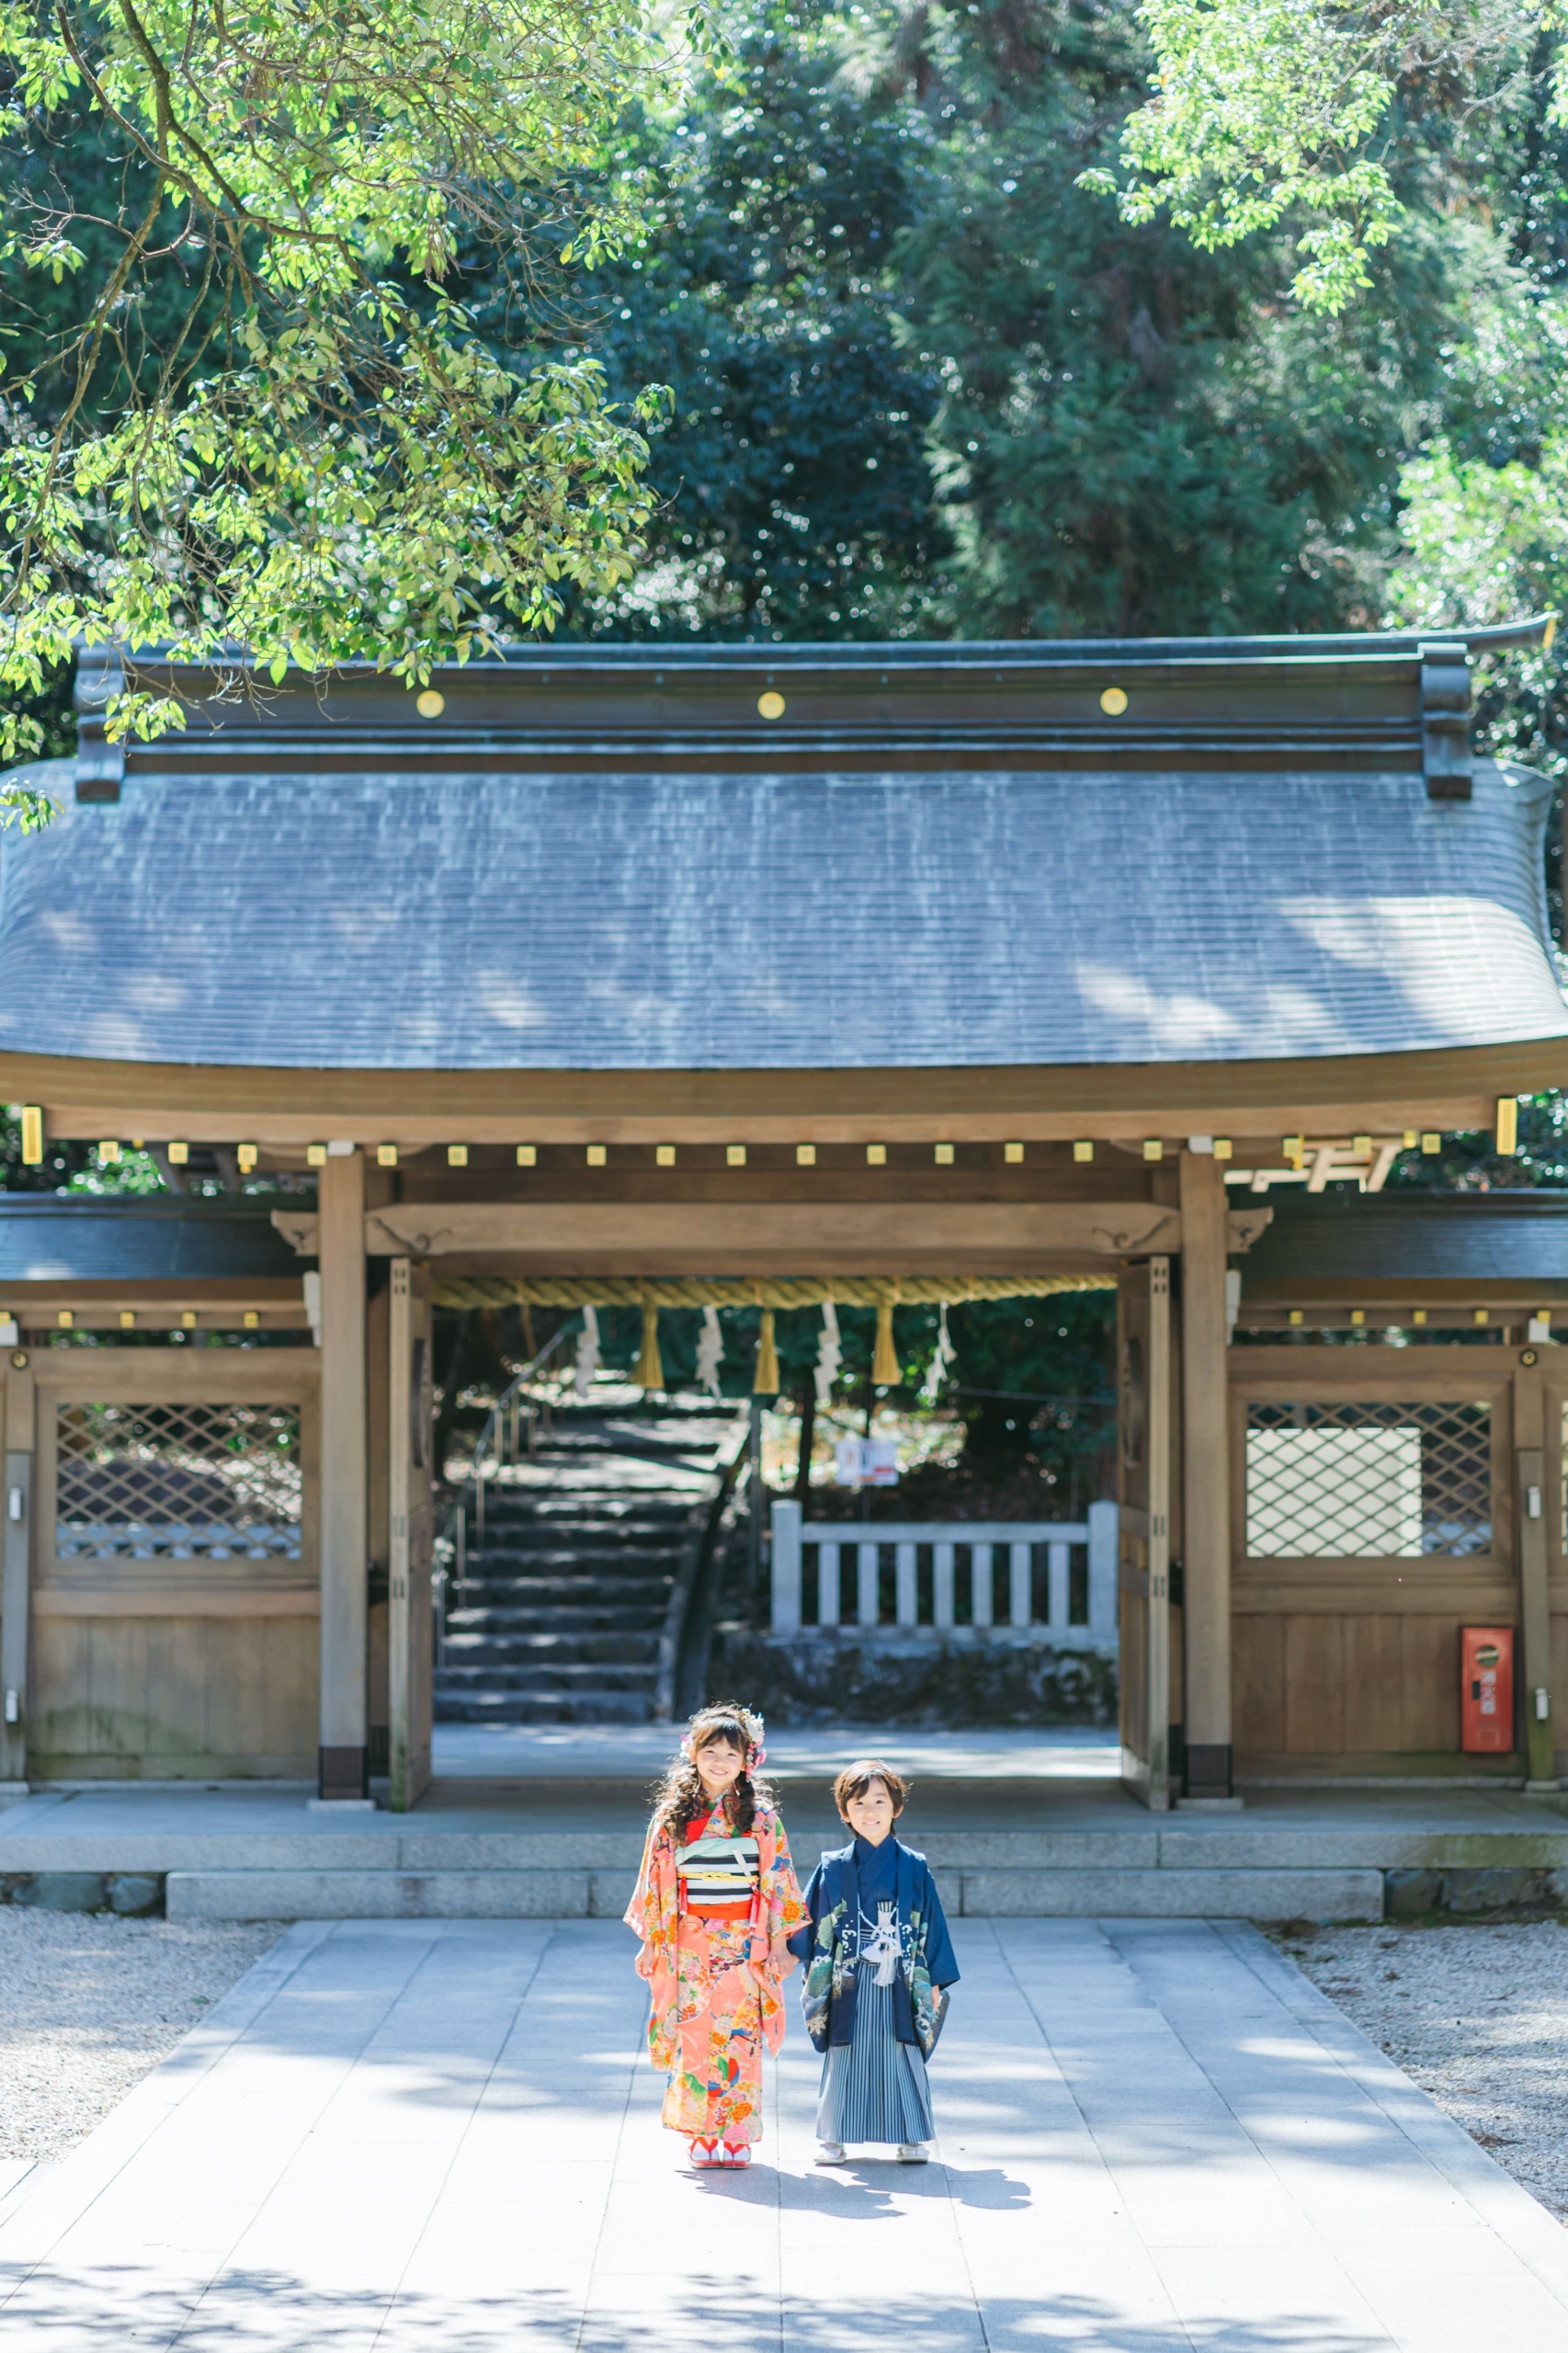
pixel 874 2088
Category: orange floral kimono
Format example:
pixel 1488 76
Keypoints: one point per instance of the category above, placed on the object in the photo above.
pixel 716 1997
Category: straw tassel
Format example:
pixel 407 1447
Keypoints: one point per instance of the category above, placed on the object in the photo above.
pixel 886 1371
pixel 650 1373
pixel 766 1384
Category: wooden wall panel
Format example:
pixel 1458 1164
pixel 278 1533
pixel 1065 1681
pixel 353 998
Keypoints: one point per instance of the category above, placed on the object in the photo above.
pixel 1374 1683
pixel 175 1698
pixel 1258 1667
pixel 1431 1683
pixel 1359 1684
pixel 178 1685
pixel 1315 1685
pixel 1368 1649
pixel 169 1669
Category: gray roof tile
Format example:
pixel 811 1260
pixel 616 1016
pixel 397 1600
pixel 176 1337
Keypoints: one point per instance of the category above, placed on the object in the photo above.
pixel 623 920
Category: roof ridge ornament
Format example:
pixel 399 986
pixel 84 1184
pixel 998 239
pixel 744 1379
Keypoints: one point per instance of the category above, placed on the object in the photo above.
pixel 1445 719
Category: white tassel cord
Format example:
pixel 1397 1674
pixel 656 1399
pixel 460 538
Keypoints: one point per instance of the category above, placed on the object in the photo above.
pixel 709 1352
pixel 828 1354
pixel 585 1363
pixel 943 1360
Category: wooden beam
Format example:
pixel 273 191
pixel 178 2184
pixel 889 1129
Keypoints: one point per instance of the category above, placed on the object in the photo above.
pixel 343 1494
pixel 59 1600
pixel 716 1236
pixel 38 1316
pixel 1442 1306
pixel 1206 1476
pixel 1446 1088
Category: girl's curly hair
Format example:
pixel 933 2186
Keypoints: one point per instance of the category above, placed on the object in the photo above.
pixel 681 1799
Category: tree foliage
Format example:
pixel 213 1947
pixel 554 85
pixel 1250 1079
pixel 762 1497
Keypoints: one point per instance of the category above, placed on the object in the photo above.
pixel 1271 112
pixel 923 384
pixel 246 415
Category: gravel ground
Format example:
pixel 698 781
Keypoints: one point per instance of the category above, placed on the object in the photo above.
pixel 1477 2017
pixel 89 2004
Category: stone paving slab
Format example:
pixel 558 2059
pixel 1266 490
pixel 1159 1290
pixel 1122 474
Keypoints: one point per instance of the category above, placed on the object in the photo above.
pixel 410 2135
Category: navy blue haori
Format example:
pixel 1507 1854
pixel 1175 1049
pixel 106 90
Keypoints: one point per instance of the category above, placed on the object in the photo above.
pixel 877 1957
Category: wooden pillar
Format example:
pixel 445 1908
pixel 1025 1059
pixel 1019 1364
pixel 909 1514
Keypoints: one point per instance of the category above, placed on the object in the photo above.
pixel 17 1501
pixel 1535 1621
pixel 343 1534
pixel 409 1628
pixel 1206 1476
pixel 1159 1792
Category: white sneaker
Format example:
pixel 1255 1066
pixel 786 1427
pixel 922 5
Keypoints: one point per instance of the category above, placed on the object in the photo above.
pixel 831 2152
pixel 913 2153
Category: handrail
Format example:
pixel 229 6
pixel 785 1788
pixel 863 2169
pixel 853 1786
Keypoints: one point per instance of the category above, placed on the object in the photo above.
pixel 507 1401
pixel 701 1527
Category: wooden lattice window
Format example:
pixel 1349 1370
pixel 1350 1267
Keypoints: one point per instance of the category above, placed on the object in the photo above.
pixel 1365 1481
pixel 179 1482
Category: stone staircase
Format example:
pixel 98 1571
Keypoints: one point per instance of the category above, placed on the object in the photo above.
pixel 566 1597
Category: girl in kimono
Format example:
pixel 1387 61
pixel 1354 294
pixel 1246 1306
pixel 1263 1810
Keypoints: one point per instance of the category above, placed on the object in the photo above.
pixel 715 1905
pixel 879 1961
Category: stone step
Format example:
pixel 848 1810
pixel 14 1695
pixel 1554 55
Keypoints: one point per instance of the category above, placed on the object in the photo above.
pixel 549 1646
pixel 549 1707
pixel 558 1616
pixel 563 1617
pixel 494 1559
pixel 648 1594
pixel 604 1494
pixel 573 1530
pixel 564 1894
pixel 551 1674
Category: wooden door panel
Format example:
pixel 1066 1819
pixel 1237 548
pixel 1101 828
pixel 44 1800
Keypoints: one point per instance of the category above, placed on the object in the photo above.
pixel 1257 1665
pixel 1314 1686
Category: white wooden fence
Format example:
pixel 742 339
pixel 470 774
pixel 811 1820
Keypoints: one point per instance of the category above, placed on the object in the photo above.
pixel 926 1596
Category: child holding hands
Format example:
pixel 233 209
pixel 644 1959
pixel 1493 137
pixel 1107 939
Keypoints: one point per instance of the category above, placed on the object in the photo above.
pixel 715 1903
pixel 879 1964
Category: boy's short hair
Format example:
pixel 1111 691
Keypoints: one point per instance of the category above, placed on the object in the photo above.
pixel 857 1779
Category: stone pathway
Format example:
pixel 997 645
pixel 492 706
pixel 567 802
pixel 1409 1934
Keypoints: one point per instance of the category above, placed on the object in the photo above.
pixel 408 2135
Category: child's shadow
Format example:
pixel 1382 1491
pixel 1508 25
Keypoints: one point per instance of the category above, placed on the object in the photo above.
pixel 868 2179
pixel 836 2193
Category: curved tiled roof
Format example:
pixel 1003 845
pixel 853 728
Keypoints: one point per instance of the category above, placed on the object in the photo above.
pixel 617 920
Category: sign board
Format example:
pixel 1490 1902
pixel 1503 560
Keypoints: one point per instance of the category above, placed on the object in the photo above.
pixel 865 1462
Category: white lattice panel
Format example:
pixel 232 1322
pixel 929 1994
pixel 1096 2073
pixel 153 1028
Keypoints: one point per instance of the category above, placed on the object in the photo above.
pixel 1368 1482
pixel 178 1482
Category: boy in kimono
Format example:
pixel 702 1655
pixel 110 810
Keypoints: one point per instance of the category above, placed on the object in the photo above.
pixel 879 1962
